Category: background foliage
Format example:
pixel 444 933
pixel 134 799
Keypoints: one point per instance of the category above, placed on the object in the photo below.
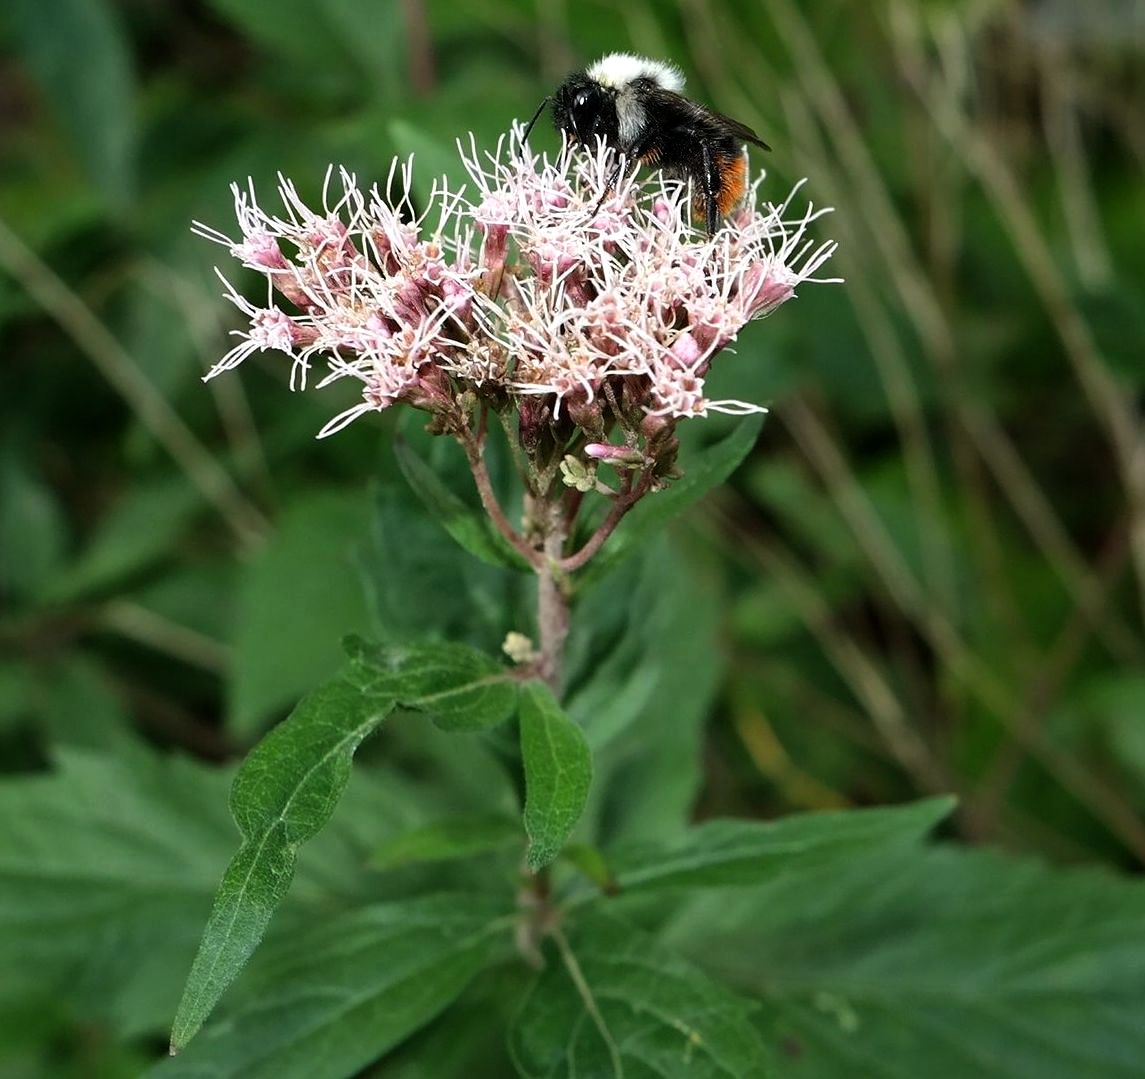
pixel 929 577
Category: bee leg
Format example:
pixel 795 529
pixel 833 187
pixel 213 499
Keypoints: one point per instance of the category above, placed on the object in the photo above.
pixel 536 116
pixel 711 182
pixel 609 184
pixel 633 156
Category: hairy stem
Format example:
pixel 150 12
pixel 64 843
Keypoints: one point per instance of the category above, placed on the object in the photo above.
pixel 552 599
pixel 549 517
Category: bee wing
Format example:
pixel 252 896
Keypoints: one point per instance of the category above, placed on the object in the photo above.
pixel 696 111
pixel 738 129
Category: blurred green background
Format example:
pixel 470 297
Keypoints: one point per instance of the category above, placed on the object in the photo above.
pixel 932 569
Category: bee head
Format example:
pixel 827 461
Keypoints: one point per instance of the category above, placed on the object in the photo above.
pixel 584 109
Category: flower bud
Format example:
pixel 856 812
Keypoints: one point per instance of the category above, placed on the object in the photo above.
pixel 685 352
pixel 576 474
pixel 587 415
pixel 616 455
pixel 533 419
pixel 432 390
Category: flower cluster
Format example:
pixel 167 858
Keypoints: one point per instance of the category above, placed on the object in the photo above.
pixel 537 288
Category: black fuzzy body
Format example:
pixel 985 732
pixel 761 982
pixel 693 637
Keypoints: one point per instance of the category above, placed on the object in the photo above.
pixel 665 130
pixel 584 110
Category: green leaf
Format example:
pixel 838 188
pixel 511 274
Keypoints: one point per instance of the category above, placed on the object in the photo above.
pixel 381 57
pixel 558 773
pixel 420 587
pixel 199 594
pixel 748 852
pixel 642 649
pixel 106 873
pixel 361 41
pixel 467 525
pixel 326 1003
pixel 78 53
pixel 289 785
pixel 108 866
pixel 443 840
pixel 284 793
pixel 75 702
pixel 461 688
pixel 39 1038
pixel 655 1015
pixel 469 1038
pixel 590 861
pixel 702 473
pixel 296 601
pixel 945 964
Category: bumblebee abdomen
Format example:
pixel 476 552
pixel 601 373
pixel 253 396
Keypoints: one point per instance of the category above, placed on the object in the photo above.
pixel 733 182
pixel 731 170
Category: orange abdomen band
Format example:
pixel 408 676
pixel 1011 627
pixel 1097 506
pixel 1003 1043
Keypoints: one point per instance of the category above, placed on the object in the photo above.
pixel 733 183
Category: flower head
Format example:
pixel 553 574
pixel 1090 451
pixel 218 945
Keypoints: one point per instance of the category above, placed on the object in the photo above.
pixel 533 283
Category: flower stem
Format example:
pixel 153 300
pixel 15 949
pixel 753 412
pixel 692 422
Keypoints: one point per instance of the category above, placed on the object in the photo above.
pixel 552 598
pixel 548 513
pixel 622 504
pixel 481 478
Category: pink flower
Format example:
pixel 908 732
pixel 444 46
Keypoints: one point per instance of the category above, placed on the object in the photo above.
pixel 525 285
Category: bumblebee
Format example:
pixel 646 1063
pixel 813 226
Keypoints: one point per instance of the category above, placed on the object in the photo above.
pixel 637 107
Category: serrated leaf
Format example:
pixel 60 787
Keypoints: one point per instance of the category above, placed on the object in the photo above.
pixel 108 866
pixel 558 773
pixel 284 793
pixel 289 785
pixel 461 688
pixel 702 473
pixel 94 99
pixel 327 1002
pixel 945 963
pixel 443 840
pixel 656 1015
pixel 106 873
pixel 467 525
pixel 747 852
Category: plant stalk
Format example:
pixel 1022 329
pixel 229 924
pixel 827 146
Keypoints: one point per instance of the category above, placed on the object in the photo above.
pixel 552 597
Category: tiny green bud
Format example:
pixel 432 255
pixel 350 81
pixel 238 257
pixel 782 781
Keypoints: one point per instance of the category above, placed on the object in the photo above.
pixel 574 473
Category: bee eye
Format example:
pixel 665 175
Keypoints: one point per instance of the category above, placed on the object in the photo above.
pixel 581 98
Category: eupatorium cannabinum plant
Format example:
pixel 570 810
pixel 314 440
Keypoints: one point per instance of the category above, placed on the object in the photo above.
pixel 580 331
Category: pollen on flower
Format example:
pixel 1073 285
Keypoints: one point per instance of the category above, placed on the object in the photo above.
pixel 534 282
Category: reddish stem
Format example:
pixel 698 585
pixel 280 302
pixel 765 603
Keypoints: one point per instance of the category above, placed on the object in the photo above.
pixel 623 503
pixel 492 507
